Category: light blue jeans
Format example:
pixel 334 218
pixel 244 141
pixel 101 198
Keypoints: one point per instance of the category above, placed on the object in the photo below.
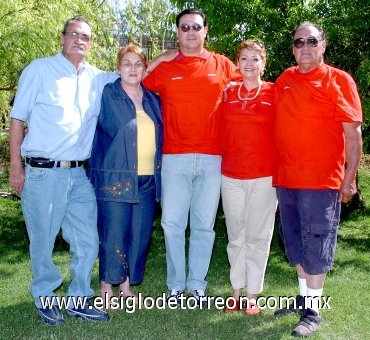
pixel 60 198
pixel 190 182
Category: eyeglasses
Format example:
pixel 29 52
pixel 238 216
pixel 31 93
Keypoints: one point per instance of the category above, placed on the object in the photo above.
pixel 186 28
pixel 75 36
pixel 128 66
pixel 311 42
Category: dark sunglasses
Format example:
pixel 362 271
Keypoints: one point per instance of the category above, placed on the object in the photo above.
pixel 186 28
pixel 311 42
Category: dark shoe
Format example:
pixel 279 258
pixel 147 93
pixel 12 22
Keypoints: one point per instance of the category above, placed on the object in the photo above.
pixel 296 307
pixel 200 297
pixel 51 316
pixel 88 313
pixel 173 296
pixel 308 324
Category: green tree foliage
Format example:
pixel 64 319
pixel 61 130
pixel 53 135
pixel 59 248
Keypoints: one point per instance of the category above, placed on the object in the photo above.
pixel 147 19
pixel 30 29
pixel 345 22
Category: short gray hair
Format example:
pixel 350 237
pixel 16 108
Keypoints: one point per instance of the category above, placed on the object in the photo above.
pixel 308 23
pixel 77 18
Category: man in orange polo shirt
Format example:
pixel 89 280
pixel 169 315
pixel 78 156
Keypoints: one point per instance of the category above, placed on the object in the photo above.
pixel 191 88
pixel 317 130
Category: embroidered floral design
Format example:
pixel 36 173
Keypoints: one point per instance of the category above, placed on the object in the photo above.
pixel 118 188
pixel 122 261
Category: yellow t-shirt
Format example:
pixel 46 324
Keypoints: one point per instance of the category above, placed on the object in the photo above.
pixel 145 143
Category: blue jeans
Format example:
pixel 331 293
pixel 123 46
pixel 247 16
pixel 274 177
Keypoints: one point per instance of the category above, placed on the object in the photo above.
pixel 124 232
pixel 53 199
pixel 190 182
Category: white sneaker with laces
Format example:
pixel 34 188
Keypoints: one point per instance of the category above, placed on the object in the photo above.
pixel 174 295
pixel 200 297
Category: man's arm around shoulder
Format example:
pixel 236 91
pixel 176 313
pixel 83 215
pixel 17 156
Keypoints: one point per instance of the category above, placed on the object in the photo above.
pixel 164 57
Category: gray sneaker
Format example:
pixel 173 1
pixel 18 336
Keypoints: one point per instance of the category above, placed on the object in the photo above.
pixel 200 297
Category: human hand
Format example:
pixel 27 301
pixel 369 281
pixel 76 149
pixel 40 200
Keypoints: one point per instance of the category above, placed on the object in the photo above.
pixel 164 57
pixel 230 85
pixel 169 54
pixel 347 191
pixel 16 177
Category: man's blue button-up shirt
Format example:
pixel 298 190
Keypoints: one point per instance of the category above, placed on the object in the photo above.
pixel 61 107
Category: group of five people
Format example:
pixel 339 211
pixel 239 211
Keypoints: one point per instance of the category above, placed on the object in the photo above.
pixel 255 142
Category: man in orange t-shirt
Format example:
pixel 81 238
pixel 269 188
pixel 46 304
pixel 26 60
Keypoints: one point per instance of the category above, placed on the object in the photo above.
pixel 191 88
pixel 317 130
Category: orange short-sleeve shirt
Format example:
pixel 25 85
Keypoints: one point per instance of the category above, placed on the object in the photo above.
pixel 309 135
pixel 191 90
pixel 247 134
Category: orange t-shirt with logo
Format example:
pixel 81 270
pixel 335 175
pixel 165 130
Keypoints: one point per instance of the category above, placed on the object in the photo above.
pixel 191 90
pixel 309 135
pixel 247 134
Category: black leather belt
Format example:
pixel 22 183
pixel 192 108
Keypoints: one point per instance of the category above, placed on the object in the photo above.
pixel 38 162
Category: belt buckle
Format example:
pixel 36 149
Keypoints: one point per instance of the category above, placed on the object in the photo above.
pixel 65 164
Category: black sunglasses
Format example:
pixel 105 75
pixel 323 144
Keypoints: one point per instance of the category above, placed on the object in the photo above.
pixel 186 28
pixel 311 42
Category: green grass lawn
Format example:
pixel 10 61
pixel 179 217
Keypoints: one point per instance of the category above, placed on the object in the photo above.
pixel 348 285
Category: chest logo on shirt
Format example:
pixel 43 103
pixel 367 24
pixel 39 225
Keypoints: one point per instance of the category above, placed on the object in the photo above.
pixel 212 75
pixel 176 78
pixel 286 87
pixel 316 84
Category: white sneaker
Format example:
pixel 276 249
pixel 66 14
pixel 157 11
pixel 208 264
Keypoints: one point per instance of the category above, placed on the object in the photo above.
pixel 174 295
pixel 200 297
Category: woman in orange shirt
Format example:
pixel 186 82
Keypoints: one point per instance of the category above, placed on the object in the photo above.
pixel 249 200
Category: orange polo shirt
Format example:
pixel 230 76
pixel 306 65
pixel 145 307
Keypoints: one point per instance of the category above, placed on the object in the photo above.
pixel 191 90
pixel 247 131
pixel 309 136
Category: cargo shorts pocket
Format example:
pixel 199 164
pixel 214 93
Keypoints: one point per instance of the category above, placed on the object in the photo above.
pixel 323 241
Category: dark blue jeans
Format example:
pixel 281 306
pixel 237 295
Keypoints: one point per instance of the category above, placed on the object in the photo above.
pixel 124 232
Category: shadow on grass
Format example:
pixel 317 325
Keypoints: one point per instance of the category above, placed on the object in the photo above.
pixel 14 244
pixel 361 244
pixel 354 231
pixel 356 215
pixel 20 321
pixel 341 265
pixel 15 239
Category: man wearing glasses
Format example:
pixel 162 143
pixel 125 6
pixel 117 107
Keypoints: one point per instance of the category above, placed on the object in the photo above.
pixel 59 98
pixel 317 131
pixel 190 87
